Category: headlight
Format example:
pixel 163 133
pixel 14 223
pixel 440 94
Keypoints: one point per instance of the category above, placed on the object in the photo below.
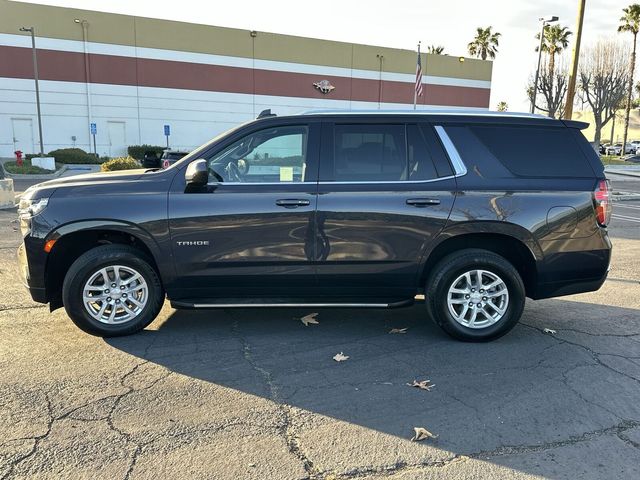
pixel 29 207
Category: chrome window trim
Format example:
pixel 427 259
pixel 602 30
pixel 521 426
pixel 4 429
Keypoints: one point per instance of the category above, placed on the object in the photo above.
pixel 244 184
pixel 383 182
pixel 452 151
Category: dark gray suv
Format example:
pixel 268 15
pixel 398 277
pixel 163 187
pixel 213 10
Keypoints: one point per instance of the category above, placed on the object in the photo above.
pixel 332 209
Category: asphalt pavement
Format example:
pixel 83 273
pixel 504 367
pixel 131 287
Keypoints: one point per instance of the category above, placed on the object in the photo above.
pixel 255 394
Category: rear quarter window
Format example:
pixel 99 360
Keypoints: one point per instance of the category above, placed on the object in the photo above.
pixel 522 151
pixel 529 151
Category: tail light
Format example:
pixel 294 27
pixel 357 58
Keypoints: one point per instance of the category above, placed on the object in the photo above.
pixel 602 200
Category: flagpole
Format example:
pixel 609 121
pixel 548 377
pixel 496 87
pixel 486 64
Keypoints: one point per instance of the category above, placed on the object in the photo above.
pixel 415 90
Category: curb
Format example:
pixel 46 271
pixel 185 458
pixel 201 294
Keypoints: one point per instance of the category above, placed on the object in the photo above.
pixel 41 176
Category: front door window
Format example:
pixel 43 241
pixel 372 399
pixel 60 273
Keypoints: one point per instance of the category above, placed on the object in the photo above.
pixel 273 155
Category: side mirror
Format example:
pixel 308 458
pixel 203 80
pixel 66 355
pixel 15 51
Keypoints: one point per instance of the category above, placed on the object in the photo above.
pixel 197 174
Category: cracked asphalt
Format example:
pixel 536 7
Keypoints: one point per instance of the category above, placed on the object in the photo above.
pixel 254 394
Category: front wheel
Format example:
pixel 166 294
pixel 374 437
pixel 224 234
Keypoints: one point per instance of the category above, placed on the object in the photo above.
pixel 112 290
pixel 475 295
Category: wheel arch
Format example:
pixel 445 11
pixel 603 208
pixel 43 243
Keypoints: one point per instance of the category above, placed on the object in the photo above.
pixel 73 240
pixel 523 253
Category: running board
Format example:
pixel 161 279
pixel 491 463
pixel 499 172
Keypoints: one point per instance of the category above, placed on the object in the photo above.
pixel 265 303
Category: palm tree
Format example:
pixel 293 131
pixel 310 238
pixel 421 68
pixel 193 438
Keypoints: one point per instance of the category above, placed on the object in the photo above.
pixel 484 44
pixel 556 39
pixel 436 50
pixel 502 107
pixel 630 22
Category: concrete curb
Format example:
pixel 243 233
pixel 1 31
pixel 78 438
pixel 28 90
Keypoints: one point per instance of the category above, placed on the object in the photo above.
pixel 7 194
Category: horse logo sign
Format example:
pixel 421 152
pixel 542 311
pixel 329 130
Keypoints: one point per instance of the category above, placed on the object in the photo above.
pixel 324 86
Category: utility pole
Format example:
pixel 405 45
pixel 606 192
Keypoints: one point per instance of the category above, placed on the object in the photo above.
pixel 575 55
pixel 35 76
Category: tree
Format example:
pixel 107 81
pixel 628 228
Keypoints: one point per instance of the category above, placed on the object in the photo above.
pixel 552 90
pixel 485 43
pixel 604 79
pixel 555 40
pixel 502 107
pixel 436 50
pixel 630 22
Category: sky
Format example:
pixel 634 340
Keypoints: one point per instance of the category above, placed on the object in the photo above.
pixel 398 24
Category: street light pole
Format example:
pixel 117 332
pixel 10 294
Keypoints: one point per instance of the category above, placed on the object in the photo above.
pixel 545 21
pixel 35 76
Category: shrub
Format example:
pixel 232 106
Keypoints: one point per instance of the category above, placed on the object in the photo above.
pixel 122 163
pixel 73 155
pixel 137 151
pixel 26 168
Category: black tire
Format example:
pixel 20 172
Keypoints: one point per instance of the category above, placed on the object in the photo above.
pixel 456 264
pixel 95 259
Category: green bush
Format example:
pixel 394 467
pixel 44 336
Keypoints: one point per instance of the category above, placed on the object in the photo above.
pixel 122 163
pixel 137 151
pixel 73 155
pixel 26 168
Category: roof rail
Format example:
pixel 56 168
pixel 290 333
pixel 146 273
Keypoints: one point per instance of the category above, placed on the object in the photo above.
pixel 430 111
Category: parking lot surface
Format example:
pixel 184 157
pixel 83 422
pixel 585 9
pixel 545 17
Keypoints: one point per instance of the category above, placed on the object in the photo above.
pixel 254 393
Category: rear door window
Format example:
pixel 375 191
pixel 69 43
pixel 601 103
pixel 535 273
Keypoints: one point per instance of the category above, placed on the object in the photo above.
pixel 366 153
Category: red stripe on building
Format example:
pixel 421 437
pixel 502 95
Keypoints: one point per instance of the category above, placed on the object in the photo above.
pixel 16 62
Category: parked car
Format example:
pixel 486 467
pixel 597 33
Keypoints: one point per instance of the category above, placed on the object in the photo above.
pixel 614 149
pixel 151 159
pixel 332 209
pixel 603 148
pixel 169 157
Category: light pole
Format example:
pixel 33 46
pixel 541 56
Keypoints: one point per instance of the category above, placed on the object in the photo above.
pixel 35 76
pixel 87 75
pixel 545 21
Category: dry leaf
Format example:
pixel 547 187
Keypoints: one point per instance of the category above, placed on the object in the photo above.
pixel 423 385
pixel 398 330
pixel 340 357
pixel 549 331
pixel 310 319
pixel 422 434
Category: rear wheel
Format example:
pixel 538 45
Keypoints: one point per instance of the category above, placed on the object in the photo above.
pixel 475 295
pixel 112 290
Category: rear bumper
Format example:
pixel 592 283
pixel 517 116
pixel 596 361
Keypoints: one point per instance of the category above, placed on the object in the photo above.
pixel 568 273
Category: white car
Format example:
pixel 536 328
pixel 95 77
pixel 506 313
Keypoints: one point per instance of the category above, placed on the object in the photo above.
pixel 614 149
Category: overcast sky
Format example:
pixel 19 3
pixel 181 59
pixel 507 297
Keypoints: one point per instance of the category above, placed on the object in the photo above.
pixel 397 23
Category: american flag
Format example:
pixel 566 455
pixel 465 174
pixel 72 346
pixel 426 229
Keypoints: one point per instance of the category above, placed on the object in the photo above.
pixel 419 75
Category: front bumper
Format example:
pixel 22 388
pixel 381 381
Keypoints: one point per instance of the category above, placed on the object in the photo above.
pixel 38 292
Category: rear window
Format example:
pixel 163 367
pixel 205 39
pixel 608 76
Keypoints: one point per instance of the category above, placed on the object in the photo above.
pixel 524 151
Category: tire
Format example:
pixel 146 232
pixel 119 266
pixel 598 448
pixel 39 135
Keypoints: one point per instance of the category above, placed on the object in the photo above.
pixel 145 290
pixel 450 273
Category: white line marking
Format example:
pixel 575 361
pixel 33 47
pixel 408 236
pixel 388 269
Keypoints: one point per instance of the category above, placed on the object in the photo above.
pixel 627 219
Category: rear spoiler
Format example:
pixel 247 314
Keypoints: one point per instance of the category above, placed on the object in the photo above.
pixel 575 124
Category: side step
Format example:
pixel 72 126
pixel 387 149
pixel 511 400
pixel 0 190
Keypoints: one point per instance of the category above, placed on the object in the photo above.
pixel 289 302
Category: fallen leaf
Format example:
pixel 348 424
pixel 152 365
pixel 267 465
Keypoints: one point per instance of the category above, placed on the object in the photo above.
pixel 549 331
pixel 310 319
pixel 423 385
pixel 340 357
pixel 398 330
pixel 422 434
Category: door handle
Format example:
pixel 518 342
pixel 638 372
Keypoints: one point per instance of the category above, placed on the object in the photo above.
pixel 422 202
pixel 292 202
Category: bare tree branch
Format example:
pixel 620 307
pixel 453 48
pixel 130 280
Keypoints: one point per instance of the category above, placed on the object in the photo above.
pixel 604 77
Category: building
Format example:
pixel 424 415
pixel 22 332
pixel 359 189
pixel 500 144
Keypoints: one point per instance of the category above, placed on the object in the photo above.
pixel 131 76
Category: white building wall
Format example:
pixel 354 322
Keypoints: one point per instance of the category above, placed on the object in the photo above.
pixel 194 116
